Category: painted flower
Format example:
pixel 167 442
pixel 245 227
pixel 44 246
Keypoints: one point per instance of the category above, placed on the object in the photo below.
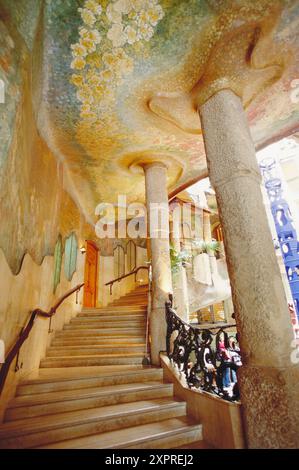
pixel 93 79
pixel 110 59
pixel 86 113
pixel 116 35
pixel 106 75
pixel 146 32
pixel 127 65
pixel 131 35
pixel 122 6
pixel 78 63
pixel 92 34
pixel 138 5
pixel 78 50
pixel 88 44
pixel 113 15
pixel 155 14
pixel 94 60
pixel 142 18
pixel 77 80
pixel 87 16
pixel 94 7
pixel 84 94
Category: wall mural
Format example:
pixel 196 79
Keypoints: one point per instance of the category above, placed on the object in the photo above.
pixel 92 87
pixel 102 57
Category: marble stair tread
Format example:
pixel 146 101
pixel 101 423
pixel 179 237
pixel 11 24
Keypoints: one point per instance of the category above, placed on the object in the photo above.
pixel 83 400
pixel 72 418
pixel 118 332
pixel 97 332
pixel 111 309
pixel 96 341
pixel 98 323
pixel 78 380
pixel 86 371
pixel 133 437
pixel 65 395
pixel 96 359
pixel 116 316
pixel 57 351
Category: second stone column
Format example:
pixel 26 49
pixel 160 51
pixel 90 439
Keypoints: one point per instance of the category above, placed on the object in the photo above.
pixel 158 219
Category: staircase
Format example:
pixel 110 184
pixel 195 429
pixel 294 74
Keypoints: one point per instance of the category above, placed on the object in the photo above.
pixel 94 393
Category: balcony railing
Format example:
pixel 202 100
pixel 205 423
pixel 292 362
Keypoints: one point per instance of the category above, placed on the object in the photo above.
pixel 208 357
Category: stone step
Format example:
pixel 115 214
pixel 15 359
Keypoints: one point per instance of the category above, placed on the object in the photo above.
pixel 108 321
pixel 113 315
pixel 165 434
pixel 33 432
pixel 94 360
pixel 90 350
pixel 117 331
pixel 118 310
pixel 94 379
pixel 113 332
pixel 97 341
pixel 70 400
pixel 137 326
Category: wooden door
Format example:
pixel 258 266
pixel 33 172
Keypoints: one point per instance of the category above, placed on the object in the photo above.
pixel 90 276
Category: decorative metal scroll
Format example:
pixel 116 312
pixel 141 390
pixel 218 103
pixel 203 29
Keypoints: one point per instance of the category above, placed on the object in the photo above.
pixel 196 353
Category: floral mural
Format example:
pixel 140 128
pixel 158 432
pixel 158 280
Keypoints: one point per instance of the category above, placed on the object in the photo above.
pixel 101 57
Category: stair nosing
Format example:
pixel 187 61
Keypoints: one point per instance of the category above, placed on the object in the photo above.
pixel 98 394
pixel 169 404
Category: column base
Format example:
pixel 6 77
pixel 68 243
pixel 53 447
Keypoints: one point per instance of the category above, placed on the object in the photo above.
pixel 270 400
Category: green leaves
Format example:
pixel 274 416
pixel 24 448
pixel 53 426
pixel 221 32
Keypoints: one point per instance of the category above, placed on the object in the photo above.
pixel 178 259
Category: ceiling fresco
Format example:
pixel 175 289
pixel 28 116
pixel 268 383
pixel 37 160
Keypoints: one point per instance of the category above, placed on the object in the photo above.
pixel 120 82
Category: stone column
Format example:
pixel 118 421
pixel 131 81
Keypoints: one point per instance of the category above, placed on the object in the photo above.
pixel 268 380
pixel 180 286
pixel 157 197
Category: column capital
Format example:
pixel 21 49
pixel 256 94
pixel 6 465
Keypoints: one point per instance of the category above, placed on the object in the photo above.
pixel 155 164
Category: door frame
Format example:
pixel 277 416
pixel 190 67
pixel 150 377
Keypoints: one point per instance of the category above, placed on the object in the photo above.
pixel 91 243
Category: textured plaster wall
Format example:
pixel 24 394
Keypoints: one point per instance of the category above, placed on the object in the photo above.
pixel 20 294
pixel 35 204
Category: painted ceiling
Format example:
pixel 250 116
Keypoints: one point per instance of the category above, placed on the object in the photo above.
pixel 119 83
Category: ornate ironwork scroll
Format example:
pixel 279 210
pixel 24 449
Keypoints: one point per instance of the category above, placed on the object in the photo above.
pixel 208 359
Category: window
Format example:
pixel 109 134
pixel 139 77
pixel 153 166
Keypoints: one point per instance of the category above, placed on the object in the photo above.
pixel 119 261
pixel 70 259
pixel 57 263
pixel 131 256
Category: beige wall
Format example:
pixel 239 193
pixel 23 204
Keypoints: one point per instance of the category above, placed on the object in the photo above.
pixel 20 294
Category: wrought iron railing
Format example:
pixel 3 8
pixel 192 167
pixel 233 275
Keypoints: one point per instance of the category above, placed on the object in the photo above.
pixel 208 357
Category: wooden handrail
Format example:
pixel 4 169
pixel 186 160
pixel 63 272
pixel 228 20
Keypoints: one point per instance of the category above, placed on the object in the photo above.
pixel 118 279
pixel 26 331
